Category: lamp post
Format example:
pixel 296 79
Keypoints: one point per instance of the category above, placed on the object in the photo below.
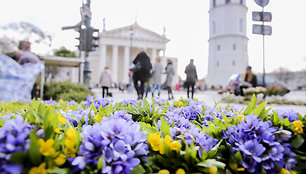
pixel 131 57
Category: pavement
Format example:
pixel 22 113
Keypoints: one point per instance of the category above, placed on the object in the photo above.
pixel 210 98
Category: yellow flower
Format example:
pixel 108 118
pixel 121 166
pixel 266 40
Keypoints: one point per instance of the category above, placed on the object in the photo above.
pixel 298 130
pixel 235 167
pixel 46 147
pixel 68 107
pixel 71 133
pixel 240 117
pixel 61 101
pixel 297 123
pixel 165 104
pixel 161 147
pixel 97 118
pixel 213 170
pixel 57 130
pixel 180 103
pixel 154 141
pixel 180 171
pixel 175 145
pixel 168 139
pixel 284 171
pixel 164 171
pixel 60 160
pixel 41 169
pixel 62 120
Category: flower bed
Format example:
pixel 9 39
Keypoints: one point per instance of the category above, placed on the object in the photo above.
pixel 186 136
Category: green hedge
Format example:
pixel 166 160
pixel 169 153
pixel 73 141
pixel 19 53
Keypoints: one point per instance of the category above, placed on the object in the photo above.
pixel 66 91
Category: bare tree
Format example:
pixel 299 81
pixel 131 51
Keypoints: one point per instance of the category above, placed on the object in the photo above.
pixel 282 74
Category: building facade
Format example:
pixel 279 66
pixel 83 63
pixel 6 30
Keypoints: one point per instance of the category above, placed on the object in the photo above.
pixel 118 48
pixel 228 43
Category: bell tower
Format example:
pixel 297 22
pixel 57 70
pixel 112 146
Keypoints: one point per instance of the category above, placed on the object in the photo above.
pixel 228 43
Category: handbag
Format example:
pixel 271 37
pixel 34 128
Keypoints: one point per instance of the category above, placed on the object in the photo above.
pixel 136 67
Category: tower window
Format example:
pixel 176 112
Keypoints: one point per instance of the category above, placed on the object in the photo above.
pixel 218 63
pixel 234 46
pixel 214 27
pixel 233 63
pixel 227 1
pixel 241 25
pixel 214 3
pixel 218 47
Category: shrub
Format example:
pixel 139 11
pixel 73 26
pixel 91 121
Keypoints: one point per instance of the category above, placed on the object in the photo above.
pixel 66 91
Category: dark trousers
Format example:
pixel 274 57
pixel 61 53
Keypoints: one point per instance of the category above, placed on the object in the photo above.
pixel 169 92
pixel 104 89
pixel 33 91
pixel 192 89
pixel 139 89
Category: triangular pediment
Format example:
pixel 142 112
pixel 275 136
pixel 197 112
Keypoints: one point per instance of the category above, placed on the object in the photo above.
pixel 138 33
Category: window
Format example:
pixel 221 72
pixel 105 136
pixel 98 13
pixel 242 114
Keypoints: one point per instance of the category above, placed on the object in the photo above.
pixel 218 47
pixel 241 2
pixel 234 46
pixel 218 63
pixel 241 25
pixel 233 63
pixel 214 3
pixel 214 27
pixel 227 1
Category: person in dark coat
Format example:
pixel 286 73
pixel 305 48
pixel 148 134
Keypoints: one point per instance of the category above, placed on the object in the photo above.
pixel 192 77
pixel 143 74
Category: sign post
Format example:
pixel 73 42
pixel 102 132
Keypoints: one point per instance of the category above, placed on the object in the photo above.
pixel 262 29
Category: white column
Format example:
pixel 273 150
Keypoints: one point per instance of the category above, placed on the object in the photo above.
pixel 153 56
pixel 126 64
pixel 164 61
pixel 102 60
pixel 115 64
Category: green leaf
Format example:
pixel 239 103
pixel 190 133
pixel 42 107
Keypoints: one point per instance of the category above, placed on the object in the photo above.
pixel 59 171
pixel 34 151
pixel 138 170
pixel 18 157
pixel 259 108
pixel 286 122
pixel 298 141
pixel 238 157
pixel 2 121
pixel 165 128
pixel 147 127
pixel 251 106
pixel 211 162
pixel 100 163
pixel 300 116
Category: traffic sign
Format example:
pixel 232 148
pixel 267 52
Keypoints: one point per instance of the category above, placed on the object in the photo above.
pixel 262 29
pixel 262 3
pixel 261 16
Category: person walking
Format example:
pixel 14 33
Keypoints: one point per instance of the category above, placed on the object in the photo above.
pixel 142 75
pixel 170 73
pixel 249 79
pixel 192 77
pixel 157 76
pixel 105 81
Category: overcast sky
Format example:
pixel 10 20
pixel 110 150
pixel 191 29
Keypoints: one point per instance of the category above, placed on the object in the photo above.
pixel 186 25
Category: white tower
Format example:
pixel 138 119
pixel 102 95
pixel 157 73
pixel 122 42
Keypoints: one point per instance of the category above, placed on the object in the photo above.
pixel 228 43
